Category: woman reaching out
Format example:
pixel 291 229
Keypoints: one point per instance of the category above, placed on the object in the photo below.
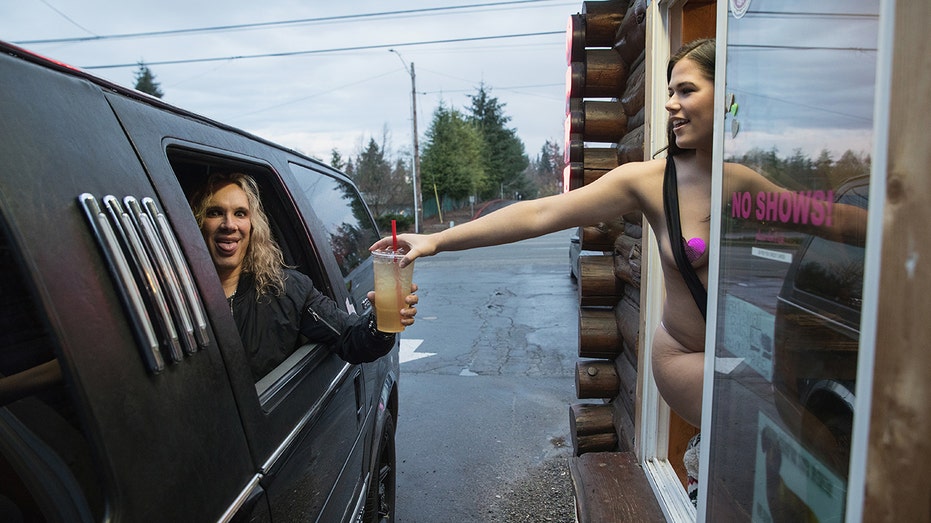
pixel 678 346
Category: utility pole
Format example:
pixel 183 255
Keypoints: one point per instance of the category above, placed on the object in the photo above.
pixel 415 177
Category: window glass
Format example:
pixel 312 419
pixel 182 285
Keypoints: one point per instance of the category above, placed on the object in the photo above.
pixel 799 90
pixel 348 224
pixel 344 216
pixel 274 354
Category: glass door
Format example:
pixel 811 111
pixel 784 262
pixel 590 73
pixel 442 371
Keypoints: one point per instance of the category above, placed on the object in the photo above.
pixel 798 135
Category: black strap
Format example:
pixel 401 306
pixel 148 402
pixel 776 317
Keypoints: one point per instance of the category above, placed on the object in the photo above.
pixel 673 225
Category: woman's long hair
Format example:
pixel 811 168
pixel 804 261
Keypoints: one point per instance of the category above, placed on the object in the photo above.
pixel 700 52
pixel 263 256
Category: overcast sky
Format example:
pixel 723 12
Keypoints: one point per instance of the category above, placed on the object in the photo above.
pixel 803 75
pixel 339 84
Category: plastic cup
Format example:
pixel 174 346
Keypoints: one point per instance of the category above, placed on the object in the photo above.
pixel 392 285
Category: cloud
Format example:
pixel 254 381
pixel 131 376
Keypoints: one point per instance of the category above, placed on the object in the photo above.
pixel 802 79
pixel 314 102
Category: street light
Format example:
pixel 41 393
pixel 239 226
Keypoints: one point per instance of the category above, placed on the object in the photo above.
pixel 415 177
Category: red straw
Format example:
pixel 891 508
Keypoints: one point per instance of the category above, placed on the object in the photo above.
pixel 394 235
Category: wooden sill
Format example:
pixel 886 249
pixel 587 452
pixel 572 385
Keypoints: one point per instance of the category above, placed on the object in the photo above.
pixel 611 486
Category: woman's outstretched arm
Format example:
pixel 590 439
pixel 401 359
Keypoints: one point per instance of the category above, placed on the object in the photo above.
pixel 612 195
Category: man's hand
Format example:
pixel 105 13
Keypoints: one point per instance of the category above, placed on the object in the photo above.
pixel 407 313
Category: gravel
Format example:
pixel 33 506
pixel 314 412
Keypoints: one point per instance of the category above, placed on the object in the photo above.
pixel 544 495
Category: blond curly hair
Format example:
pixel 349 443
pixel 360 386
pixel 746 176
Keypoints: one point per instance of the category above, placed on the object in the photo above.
pixel 263 256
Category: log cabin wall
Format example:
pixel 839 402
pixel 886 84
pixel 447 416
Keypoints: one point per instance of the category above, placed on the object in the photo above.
pixel 605 129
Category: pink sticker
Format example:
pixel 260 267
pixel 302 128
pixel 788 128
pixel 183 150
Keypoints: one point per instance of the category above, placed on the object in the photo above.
pixel 694 249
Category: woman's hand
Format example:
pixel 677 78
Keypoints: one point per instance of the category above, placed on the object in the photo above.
pixel 415 245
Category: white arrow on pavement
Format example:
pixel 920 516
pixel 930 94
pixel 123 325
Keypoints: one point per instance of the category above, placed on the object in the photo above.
pixel 409 352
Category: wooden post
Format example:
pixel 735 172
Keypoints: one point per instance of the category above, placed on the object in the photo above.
pixel 599 157
pixel 590 175
pixel 627 260
pixel 899 457
pixel 601 237
pixel 635 90
pixel 627 317
pixel 602 20
pixel 601 74
pixel 630 148
pixel 631 34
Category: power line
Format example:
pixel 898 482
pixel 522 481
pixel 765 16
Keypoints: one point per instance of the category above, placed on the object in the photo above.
pixel 66 17
pixel 258 25
pixel 324 51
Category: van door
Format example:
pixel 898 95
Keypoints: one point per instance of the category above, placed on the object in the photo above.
pixel 301 418
pixel 165 445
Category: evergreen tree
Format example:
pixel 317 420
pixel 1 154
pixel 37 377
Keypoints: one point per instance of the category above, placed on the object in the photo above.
pixel 452 156
pixel 145 81
pixel 384 186
pixel 336 160
pixel 546 170
pixel 850 165
pixel 824 165
pixel 505 160
pixel 801 169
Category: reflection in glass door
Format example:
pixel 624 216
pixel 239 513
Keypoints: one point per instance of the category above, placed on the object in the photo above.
pixel 800 93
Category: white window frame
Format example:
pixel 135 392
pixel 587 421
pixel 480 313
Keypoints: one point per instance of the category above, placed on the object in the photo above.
pixel 856 478
pixel 664 17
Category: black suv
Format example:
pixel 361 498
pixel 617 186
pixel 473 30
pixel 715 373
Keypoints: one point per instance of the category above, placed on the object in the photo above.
pixel 125 393
pixel 817 339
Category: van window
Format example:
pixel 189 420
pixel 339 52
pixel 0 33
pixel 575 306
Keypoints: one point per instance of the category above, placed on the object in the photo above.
pixel 834 270
pixel 45 457
pixel 347 221
pixel 192 169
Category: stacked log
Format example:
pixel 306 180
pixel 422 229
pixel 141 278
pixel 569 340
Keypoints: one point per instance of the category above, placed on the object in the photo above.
pixel 605 84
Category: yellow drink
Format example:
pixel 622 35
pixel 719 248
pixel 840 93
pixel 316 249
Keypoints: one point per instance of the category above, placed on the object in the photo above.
pixel 392 285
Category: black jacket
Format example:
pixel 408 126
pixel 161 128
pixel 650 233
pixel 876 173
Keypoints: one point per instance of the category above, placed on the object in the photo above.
pixel 274 326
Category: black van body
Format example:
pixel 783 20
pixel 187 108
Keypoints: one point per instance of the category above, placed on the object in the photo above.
pixel 125 394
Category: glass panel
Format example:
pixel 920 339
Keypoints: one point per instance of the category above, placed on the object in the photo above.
pixel 349 227
pixel 800 89
pixel 343 214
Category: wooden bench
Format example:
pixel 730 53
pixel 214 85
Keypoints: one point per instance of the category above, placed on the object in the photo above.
pixel 612 487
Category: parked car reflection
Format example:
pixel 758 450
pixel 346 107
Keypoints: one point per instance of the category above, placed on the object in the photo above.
pixel 816 339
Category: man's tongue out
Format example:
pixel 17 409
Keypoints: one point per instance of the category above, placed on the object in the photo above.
pixel 227 247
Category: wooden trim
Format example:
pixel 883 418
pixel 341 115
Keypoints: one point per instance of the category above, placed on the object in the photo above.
pixel 900 420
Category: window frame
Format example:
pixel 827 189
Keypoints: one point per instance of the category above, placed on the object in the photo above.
pixel 663 34
pixel 283 217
